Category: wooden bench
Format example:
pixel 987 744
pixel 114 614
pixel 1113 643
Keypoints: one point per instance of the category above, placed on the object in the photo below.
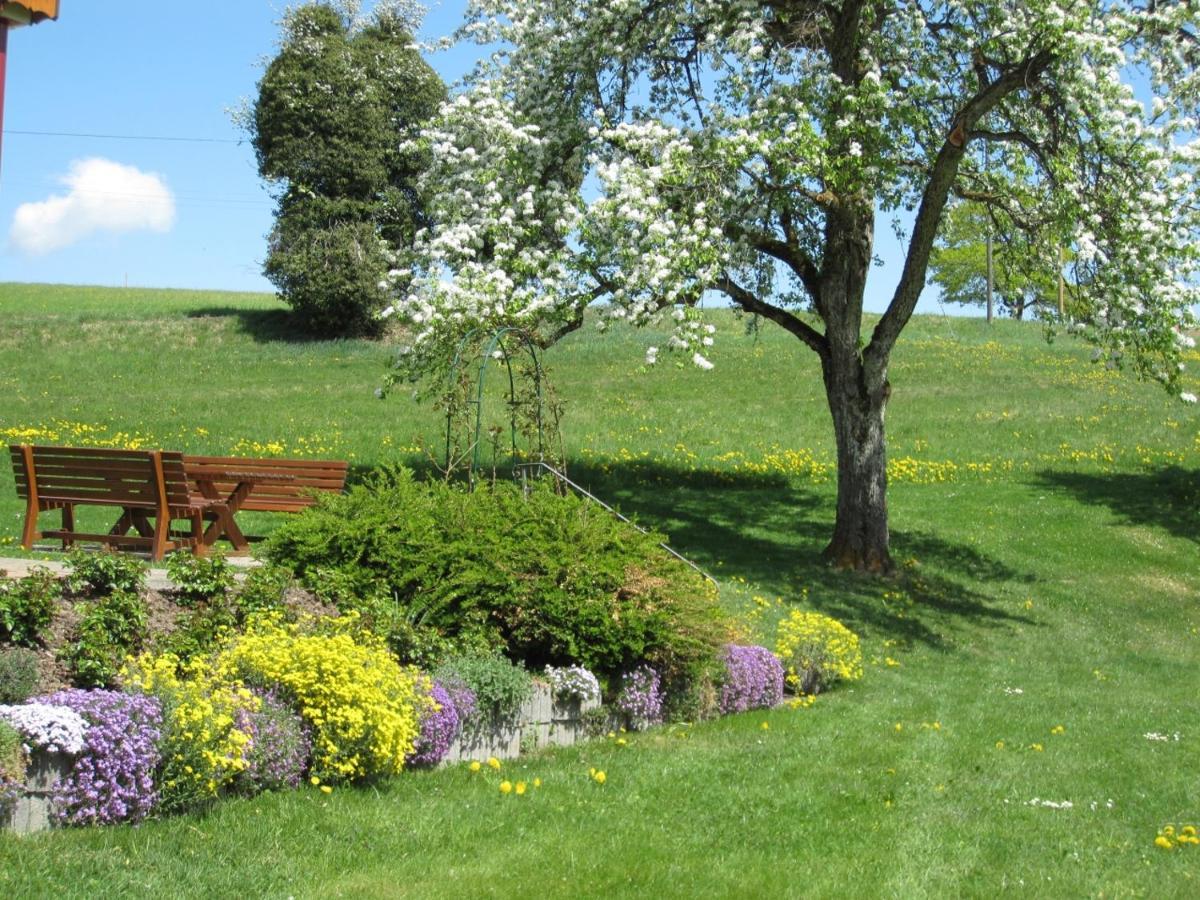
pixel 144 484
pixel 259 485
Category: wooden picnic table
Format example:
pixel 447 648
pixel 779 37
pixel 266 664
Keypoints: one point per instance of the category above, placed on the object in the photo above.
pixel 230 489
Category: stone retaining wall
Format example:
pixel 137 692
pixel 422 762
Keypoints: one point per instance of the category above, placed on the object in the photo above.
pixel 542 721
pixel 32 810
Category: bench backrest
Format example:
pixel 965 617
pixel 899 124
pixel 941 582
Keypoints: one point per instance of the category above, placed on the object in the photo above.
pixel 100 475
pixel 298 480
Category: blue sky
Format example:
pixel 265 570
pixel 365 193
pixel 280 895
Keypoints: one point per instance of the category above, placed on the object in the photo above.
pixel 143 69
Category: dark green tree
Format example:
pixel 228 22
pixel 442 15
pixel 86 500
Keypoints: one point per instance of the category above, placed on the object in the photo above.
pixel 334 108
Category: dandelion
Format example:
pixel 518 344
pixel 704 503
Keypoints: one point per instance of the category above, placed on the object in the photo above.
pixel 999 745
pixel 506 787
pixel 314 781
pixel 1058 729
pixel 520 788
pixel 1036 747
pixel 537 782
pixel 1164 842
pixel 899 726
pixel 493 763
pixel 766 726
pixel 475 766
pixel 600 777
pixel 326 789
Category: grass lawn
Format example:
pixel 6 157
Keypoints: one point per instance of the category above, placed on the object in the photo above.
pixel 1039 648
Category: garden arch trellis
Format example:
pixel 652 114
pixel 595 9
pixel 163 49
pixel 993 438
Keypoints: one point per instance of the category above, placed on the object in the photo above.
pixel 460 404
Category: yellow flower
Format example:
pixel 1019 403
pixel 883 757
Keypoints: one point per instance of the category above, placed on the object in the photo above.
pixel 999 745
pixel 520 788
pixel 899 726
pixel 537 782
pixel 600 777
pixel 1164 842
pixel 475 766
pixel 506 787
pixel 314 781
pixel 494 763
pixel 1189 830
pixel 1037 747
pixel 621 742
pixel 765 726
pixel 1058 729
pixel 326 789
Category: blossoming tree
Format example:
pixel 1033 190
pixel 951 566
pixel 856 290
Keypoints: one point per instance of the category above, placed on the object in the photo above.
pixel 644 152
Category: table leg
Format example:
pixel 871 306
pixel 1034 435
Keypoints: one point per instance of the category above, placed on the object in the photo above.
pixel 224 525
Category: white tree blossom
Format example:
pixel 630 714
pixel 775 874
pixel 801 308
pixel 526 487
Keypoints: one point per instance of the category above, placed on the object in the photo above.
pixel 645 153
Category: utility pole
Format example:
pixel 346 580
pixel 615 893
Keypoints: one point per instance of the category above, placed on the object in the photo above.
pixel 25 12
pixel 1062 287
pixel 989 272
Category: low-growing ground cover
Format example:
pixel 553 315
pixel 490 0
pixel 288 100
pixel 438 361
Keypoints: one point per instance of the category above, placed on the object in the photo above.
pixel 1025 721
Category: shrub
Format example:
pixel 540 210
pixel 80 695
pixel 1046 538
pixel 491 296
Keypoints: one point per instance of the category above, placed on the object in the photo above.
pixel 110 628
pixel 203 749
pixel 641 698
pixel 199 579
pixel 555 580
pixel 753 679
pixel 498 685
pixel 18 674
pixel 439 726
pixel 280 746
pixel 362 706
pixel 573 683
pixel 262 590
pixel 27 606
pixel 112 779
pixel 103 573
pixel 200 632
pixel 816 650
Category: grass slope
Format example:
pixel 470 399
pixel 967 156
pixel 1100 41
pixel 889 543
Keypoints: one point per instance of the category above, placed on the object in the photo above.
pixel 1045 512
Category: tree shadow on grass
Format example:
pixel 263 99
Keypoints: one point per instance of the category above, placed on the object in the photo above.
pixel 263 326
pixel 1166 498
pixel 771 532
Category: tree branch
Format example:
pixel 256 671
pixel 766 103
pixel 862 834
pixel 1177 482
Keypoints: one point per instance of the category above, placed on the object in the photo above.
pixel 937 190
pixel 781 317
pixel 793 257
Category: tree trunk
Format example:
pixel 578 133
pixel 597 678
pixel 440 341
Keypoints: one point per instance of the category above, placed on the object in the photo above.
pixel 860 532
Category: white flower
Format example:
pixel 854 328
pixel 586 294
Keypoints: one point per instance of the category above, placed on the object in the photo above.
pixel 1051 804
pixel 1187 397
pixel 651 355
pixel 56 729
pixel 700 362
pixel 574 682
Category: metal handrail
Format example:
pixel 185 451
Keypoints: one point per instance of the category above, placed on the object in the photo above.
pixel 580 489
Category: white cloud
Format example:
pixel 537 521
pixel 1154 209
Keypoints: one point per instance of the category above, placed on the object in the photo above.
pixel 102 196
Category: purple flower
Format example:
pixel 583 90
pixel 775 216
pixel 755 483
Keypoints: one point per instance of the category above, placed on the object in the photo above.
pixel 112 779
pixel 439 727
pixel 754 679
pixel 641 696
pixel 280 745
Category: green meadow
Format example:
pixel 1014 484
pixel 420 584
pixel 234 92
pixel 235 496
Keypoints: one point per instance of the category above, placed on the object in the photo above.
pixel 1028 719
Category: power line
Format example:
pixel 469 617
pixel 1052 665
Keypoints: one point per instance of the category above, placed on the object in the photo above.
pixel 125 137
